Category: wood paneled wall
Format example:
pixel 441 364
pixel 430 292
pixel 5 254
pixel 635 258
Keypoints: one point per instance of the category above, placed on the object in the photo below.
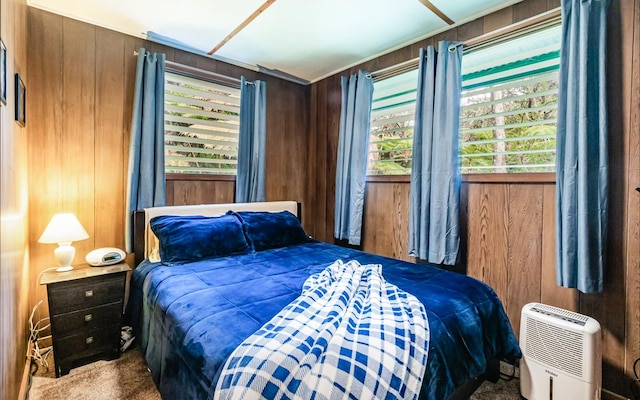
pixel 510 226
pixel 80 99
pixel 14 246
pixel 80 92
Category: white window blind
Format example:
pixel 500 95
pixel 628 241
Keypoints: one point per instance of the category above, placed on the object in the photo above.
pixel 509 105
pixel 201 126
pixel 392 115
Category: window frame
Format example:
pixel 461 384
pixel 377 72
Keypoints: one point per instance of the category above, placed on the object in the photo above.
pixel 524 27
pixel 498 177
pixel 217 79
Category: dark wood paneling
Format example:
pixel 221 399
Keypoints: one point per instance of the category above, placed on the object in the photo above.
pixel 80 100
pixel 471 29
pixel 14 218
pixel 312 160
pixel 632 126
pixel 183 192
pixel 600 306
pixel 334 101
pixel 487 236
pixel 109 167
pixel 69 162
pixel 78 141
pixel 524 248
pixel 510 227
pixel 528 9
pixel 45 140
pixel 387 207
pixel 498 19
pixel 550 292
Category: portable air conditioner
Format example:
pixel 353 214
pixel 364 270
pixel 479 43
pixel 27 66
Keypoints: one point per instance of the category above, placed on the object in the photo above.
pixel 561 358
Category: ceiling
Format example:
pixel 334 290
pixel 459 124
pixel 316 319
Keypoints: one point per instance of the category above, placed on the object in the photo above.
pixel 304 39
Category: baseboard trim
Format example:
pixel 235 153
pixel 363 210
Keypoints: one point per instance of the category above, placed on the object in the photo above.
pixel 608 395
pixel 24 384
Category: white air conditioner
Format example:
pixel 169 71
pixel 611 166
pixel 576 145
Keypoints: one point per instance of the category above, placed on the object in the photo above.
pixel 561 358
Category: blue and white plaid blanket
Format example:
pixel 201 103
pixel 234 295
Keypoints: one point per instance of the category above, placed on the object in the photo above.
pixel 349 335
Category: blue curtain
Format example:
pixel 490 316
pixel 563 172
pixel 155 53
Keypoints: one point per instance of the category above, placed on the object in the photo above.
pixel 353 148
pixel 581 155
pixel 250 180
pixel 146 186
pixel 435 177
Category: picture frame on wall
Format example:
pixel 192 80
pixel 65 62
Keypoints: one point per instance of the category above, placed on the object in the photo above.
pixel 21 101
pixel 3 73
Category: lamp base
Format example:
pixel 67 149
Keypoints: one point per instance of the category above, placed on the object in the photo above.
pixel 64 254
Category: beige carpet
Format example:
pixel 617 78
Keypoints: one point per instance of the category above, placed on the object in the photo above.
pixel 125 378
pixel 128 378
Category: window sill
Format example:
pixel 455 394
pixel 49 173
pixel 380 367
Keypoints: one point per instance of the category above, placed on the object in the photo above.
pixel 538 177
pixel 199 177
pixel 533 177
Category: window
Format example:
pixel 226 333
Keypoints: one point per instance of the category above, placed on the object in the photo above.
pixel 392 112
pixel 509 105
pixel 201 126
pixel 508 110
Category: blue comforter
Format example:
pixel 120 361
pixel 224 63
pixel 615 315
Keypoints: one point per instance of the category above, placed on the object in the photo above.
pixel 189 317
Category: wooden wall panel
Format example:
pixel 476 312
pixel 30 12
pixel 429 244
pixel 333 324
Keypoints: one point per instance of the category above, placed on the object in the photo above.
pixel 14 219
pixel 632 126
pixel 78 148
pixel 376 219
pixel 387 207
pixel 524 248
pixel 109 167
pixel 318 185
pixel 487 236
pixel 497 19
pixel 46 175
pixel 550 292
pixel 183 192
pixel 80 100
pixel 334 100
pixel 506 245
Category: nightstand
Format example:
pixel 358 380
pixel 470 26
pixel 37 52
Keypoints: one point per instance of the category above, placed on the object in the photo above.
pixel 85 308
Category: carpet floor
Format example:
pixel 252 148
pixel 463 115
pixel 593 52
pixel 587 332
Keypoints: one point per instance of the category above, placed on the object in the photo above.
pixel 128 378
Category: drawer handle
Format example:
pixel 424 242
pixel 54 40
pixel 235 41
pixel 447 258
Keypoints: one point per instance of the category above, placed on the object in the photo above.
pixel 89 340
pixel 88 293
pixel 88 317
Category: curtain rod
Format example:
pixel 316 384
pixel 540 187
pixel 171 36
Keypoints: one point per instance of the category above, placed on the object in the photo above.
pixel 528 25
pixel 198 72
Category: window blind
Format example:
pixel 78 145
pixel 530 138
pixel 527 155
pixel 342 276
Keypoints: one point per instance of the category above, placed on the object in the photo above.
pixel 201 126
pixel 392 115
pixel 509 105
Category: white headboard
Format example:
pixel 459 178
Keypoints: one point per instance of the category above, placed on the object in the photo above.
pixel 207 210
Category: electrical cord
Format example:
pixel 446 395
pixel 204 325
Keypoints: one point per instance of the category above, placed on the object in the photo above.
pixel 507 377
pixel 635 385
pixel 33 369
pixel 37 354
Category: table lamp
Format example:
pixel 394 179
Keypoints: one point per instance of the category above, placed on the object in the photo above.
pixel 63 229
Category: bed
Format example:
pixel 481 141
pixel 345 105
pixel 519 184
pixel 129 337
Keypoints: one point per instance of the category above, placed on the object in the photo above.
pixel 194 302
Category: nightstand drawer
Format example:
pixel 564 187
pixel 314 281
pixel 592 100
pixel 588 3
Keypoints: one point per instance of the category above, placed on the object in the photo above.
pixel 87 344
pixel 85 293
pixel 88 319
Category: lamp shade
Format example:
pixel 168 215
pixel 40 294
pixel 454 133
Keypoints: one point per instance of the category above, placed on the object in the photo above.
pixel 63 228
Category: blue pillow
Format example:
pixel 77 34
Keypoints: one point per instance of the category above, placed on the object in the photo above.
pixel 269 230
pixel 195 237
